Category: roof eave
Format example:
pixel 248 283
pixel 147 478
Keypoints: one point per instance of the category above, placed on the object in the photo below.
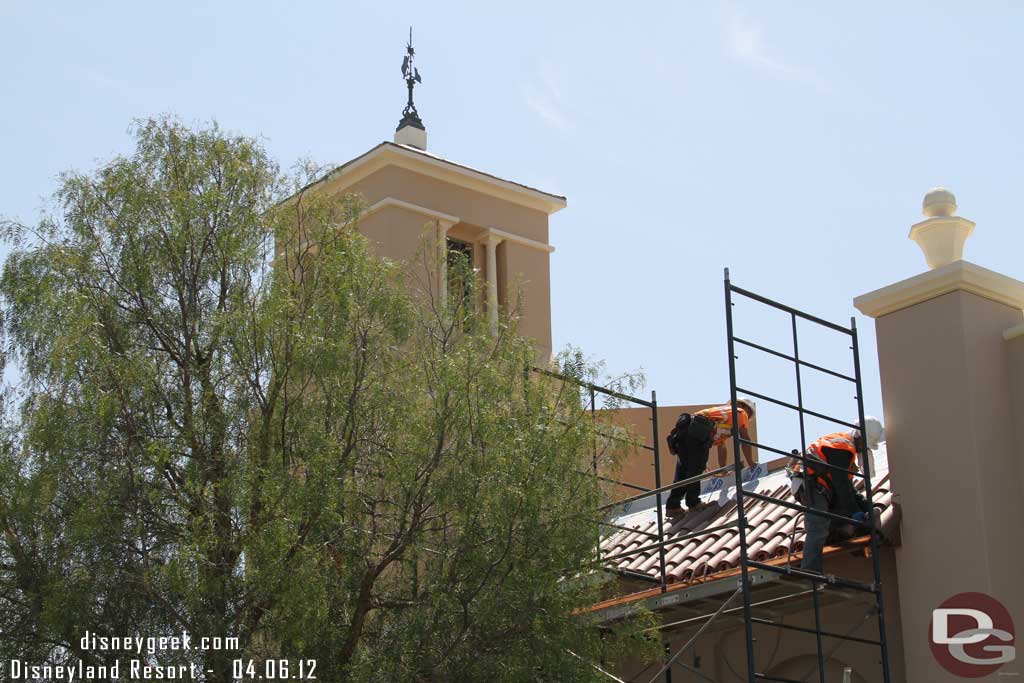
pixel 681 592
pixel 465 176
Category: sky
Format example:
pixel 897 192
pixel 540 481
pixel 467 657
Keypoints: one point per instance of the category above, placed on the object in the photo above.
pixel 791 142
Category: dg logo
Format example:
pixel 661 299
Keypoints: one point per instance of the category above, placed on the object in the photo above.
pixel 972 635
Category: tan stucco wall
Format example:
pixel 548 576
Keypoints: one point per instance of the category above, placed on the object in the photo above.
pixel 953 459
pixel 1015 360
pixel 397 233
pixel 790 654
pixel 527 272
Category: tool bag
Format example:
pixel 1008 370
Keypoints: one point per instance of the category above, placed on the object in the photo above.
pixel 702 430
pixel 678 434
pixel 837 492
pixel 796 486
pixel 697 428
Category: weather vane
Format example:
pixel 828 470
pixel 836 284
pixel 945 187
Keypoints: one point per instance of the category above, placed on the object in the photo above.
pixel 410 117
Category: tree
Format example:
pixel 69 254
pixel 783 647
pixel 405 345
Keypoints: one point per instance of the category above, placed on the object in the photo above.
pixel 303 453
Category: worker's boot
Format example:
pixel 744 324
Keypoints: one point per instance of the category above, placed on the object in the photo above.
pixel 675 512
pixel 701 507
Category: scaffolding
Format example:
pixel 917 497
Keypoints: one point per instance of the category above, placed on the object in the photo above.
pixel 815 580
pixel 758 584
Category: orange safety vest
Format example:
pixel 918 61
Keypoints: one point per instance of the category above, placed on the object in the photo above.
pixel 722 417
pixel 823 475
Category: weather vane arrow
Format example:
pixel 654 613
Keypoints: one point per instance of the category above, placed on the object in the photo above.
pixel 410 117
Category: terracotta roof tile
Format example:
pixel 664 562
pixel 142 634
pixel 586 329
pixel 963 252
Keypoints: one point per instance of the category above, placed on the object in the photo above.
pixel 774 531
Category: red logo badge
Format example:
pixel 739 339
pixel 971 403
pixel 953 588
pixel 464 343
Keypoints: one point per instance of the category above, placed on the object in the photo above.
pixel 972 635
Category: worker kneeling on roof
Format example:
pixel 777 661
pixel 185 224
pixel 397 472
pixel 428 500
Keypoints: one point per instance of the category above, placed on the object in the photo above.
pixel 832 490
pixel 691 441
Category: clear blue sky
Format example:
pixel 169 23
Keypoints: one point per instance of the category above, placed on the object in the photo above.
pixel 792 142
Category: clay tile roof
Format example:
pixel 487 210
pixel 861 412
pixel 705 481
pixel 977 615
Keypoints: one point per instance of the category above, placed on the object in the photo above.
pixel 775 531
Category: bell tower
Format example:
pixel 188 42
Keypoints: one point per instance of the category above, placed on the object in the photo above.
pixel 415 198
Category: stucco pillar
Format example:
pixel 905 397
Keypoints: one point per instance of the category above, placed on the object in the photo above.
pixel 954 454
pixel 492 243
pixel 1014 338
pixel 442 227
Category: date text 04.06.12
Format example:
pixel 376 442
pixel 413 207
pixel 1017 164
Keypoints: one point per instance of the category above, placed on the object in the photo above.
pixel 273 670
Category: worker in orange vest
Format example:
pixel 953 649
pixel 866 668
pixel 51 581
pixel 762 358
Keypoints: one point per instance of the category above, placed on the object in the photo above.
pixel 722 417
pixel 830 490
pixel 691 441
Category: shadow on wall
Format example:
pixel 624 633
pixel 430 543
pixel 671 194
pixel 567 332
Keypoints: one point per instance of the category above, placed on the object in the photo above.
pixel 805 668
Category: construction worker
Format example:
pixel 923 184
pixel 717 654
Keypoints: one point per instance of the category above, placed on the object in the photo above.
pixel 691 441
pixel 824 488
pixel 722 417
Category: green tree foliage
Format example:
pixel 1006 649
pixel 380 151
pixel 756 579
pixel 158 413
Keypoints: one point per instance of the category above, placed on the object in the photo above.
pixel 232 420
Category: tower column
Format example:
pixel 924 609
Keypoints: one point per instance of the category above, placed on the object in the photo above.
pixel 442 227
pixel 492 281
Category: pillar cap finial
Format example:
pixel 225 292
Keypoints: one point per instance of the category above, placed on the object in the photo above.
pixel 939 201
pixel 941 236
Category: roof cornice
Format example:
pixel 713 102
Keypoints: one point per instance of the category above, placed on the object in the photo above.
pixel 956 276
pixel 403 156
pixel 1014 332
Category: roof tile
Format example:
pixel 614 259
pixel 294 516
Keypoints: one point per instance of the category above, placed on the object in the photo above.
pixel 774 532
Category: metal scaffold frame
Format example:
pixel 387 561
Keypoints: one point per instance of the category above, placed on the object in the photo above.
pixel 751 571
pixel 746 564
pixel 657 491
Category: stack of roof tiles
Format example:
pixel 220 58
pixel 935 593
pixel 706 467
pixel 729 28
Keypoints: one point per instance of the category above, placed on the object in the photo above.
pixel 773 532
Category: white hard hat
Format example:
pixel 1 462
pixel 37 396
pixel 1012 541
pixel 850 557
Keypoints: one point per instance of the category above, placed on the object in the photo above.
pixel 747 404
pixel 875 432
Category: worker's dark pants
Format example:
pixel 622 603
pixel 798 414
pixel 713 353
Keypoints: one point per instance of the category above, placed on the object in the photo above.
pixel 817 528
pixel 689 463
